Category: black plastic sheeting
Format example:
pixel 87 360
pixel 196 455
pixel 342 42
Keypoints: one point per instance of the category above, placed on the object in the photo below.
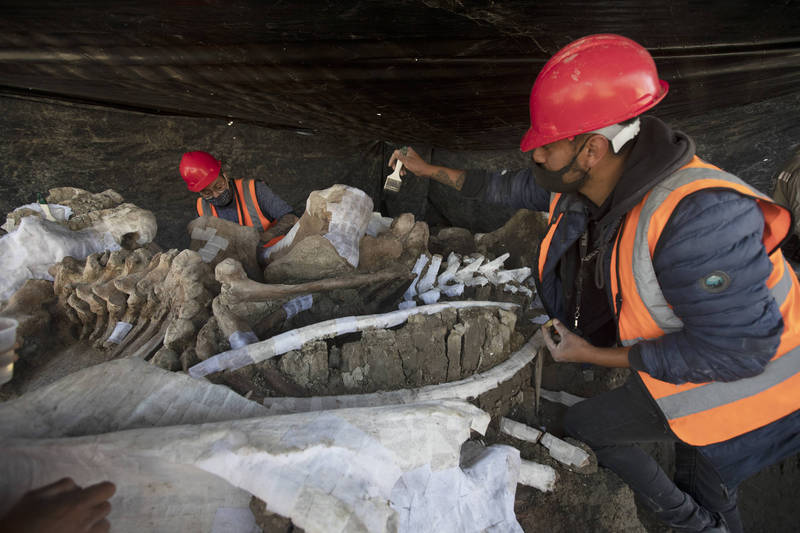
pixel 305 95
pixel 45 144
pixel 451 74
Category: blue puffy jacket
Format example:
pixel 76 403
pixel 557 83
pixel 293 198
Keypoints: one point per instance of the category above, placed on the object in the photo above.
pixel 724 338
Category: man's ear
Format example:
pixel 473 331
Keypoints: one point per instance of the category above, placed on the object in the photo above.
pixel 596 149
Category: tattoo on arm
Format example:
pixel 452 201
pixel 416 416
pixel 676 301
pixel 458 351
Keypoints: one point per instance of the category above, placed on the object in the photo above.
pixel 459 180
pixel 454 179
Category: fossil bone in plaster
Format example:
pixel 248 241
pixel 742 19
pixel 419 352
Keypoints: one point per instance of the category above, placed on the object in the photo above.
pixel 121 222
pixel 30 250
pixel 537 475
pixel 426 282
pixel 422 260
pixel 559 450
pixel 470 269
pixel 453 264
pixel 340 213
pixel 494 265
pixel 293 340
pixel 470 387
pixel 231 309
pixel 216 239
pixel 171 464
pixel 430 297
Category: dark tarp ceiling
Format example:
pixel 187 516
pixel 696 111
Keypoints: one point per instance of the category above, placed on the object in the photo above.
pixel 452 74
pixel 109 94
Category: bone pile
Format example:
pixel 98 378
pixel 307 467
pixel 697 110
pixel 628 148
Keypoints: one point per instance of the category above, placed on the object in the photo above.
pixel 131 301
pixel 459 273
pixel 75 223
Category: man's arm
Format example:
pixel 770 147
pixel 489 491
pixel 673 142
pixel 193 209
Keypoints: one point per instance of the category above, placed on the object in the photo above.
pixel 787 188
pixel 510 188
pixel 414 163
pixel 712 268
pixel 280 227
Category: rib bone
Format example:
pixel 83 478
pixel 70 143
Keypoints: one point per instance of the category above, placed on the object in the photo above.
pixel 293 340
pixel 236 287
pixel 467 388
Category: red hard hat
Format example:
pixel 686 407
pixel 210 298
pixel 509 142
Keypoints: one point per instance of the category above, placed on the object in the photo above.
pixel 198 170
pixel 596 81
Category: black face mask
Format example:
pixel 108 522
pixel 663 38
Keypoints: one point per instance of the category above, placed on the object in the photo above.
pixel 553 180
pixel 223 199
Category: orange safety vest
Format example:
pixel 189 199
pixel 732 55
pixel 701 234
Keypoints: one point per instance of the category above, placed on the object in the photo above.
pixel 702 413
pixel 247 208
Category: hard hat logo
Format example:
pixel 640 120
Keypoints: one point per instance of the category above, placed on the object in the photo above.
pixel 199 169
pixel 591 83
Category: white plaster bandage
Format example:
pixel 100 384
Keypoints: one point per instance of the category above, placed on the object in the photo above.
pixel 120 331
pixel 298 305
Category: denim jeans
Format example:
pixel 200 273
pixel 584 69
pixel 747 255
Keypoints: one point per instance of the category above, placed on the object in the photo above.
pixel 612 423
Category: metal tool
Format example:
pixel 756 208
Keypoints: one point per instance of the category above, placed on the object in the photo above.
pixel 393 181
pixel 551 328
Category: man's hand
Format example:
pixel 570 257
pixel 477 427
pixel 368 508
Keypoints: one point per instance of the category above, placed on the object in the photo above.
pixel 574 349
pixel 413 162
pixel 62 506
pixel 570 349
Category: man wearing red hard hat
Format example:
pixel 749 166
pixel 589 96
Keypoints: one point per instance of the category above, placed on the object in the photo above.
pixel 660 262
pixel 247 202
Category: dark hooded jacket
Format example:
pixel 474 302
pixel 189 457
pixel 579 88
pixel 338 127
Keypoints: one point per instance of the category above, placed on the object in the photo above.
pixel 710 230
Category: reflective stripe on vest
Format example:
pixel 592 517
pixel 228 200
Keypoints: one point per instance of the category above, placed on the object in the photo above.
pixel 205 209
pixel 253 216
pixel 706 413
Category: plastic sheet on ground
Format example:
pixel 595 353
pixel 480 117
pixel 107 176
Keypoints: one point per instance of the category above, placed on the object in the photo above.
pixel 37 244
pixel 186 455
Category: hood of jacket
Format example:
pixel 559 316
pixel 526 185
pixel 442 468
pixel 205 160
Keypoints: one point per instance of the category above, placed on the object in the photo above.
pixel 658 151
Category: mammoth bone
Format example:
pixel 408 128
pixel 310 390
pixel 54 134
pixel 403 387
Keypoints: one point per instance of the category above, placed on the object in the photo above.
pixel 237 289
pixel 464 389
pixel 292 340
pixel 131 302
